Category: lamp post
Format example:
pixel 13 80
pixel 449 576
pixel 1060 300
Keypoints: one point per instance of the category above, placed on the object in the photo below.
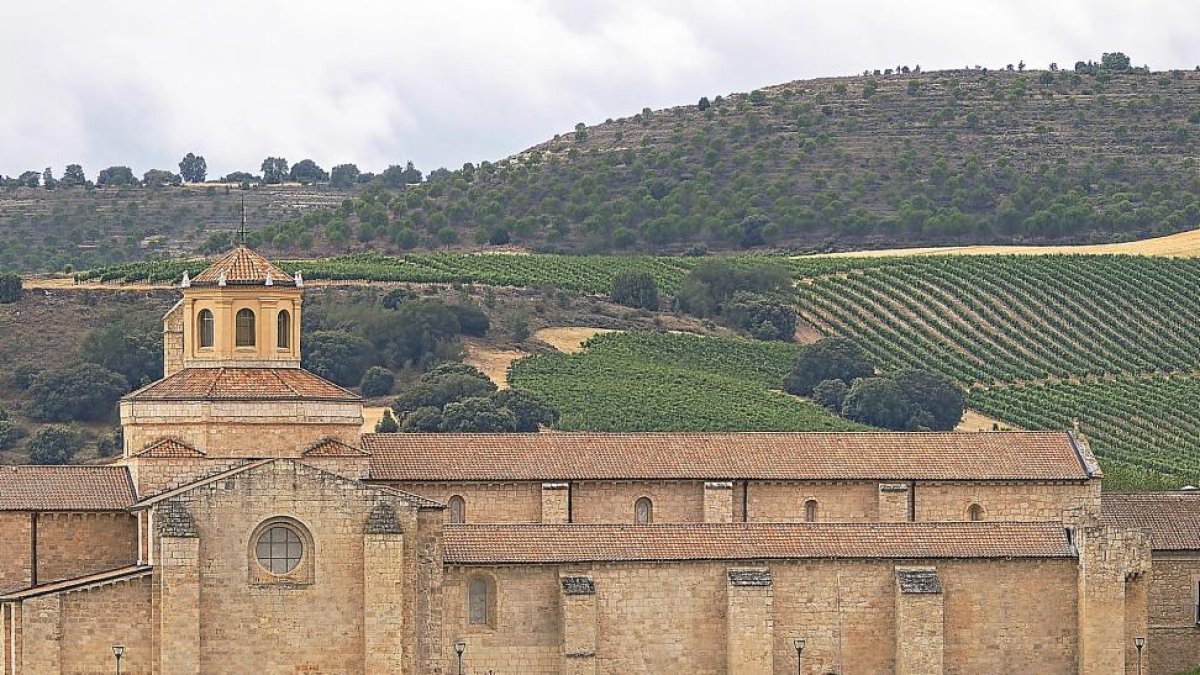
pixel 1139 642
pixel 798 643
pixel 460 647
pixel 118 652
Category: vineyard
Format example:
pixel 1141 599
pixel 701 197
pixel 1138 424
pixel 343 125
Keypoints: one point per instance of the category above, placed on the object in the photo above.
pixel 592 274
pixel 672 382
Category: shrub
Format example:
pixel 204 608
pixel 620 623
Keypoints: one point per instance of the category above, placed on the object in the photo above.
pixel 877 401
pixel 471 320
pixel 10 288
pixel 634 288
pixel 831 358
pixel 54 445
pixel 422 420
pixel 336 355
pixel 111 444
pixel 24 376
pixel 440 391
pixel 936 401
pixel 387 423
pixel 444 369
pixel 477 415
pixel 9 433
pixel 85 392
pixel 710 284
pixel 762 317
pixel 134 352
pixel 530 411
pixel 377 381
pixel 831 394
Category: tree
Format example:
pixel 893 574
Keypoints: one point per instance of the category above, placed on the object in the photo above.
pixel 703 104
pixel 48 179
pixel 931 393
pixel 73 176
pixel 477 415
pixel 377 381
pixel 10 288
pixel 336 355
pixel 344 176
pixel 831 394
pixel 471 320
pixel 159 177
pixel 116 175
pixel 397 176
pixel 274 170
pixel 54 445
pixel 9 433
pixel 762 317
pixel 193 168
pixel 387 423
pixel 133 351
pixel 422 420
pixel 831 358
pixel 239 177
pixel 438 392
pixel 580 132
pixel 306 171
pixel 86 392
pixel 530 411
pixel 29 179
pixel 710 284
pixel 1114 61
pixel 876 401
pixel 635 288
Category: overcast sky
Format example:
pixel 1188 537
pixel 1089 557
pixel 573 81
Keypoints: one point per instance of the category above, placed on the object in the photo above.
pixel 141 82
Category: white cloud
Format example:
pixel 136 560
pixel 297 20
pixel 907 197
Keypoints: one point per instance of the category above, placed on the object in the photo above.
pixel 141 82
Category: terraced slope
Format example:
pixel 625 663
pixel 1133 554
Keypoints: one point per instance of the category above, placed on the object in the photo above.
pixel 673 382
pixel 1042 342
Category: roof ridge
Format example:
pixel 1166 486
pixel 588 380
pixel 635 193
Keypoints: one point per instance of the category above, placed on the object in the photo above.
pixel 275 372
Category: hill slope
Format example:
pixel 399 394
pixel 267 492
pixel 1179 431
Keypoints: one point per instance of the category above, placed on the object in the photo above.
pixel 897 159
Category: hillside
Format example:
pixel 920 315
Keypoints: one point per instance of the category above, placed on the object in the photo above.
pixel 908 159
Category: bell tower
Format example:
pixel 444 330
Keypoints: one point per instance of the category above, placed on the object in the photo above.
pixel 243 311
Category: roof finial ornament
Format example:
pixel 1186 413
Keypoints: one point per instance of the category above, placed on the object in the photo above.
pixel 221 279
pixel 299 279
pixel 242 229
pixel 186 282
pixel 270 281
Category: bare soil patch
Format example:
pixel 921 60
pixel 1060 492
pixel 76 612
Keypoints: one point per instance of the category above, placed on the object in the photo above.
pixel 568 339
pixel 977 421
pixel 492 361
pixel 1179 245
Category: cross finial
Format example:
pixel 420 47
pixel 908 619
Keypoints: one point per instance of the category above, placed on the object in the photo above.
pixel 242 229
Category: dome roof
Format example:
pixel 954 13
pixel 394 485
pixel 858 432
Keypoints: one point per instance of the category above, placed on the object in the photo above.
pixel 243 267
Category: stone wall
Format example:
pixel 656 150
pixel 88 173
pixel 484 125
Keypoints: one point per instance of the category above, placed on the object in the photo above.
pixel 485 502
pixel 15 556
pixel 76 544
pixel 612 501
pixel 1004 501
pixel 999 617
pixel 152 475
pixel 783 502
pixel 96 619
pixel 1174 592
pixel 173 340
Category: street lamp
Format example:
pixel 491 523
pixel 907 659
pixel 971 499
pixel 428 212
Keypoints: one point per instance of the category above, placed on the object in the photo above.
pixel 1139 642
pixel 118 652
pixel 460 647
pixel 798 643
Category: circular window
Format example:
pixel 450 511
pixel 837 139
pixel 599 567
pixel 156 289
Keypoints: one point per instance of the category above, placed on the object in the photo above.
pixel 279 549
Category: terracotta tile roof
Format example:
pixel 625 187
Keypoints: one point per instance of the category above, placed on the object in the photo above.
pixel 242 384
pixel 331 447
pixel 539 543
pixel 65 488
pixel 1173 518
pixel 763 456
pixel 243 267
pixel 168 448
pixel 79 583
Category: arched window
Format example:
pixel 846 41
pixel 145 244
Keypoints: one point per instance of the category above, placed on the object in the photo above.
pixel 244 328
pixel 204 327
pixel 975 512
pixel 643 511
pixel 479 601
pixel 810 511
pixel 283 329
pixel 458 509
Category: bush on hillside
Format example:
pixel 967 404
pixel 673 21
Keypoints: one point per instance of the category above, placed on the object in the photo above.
pixel 935 401
pixel 634 288
pixel 24 376
pixel 387 423
pixel 336 355
pixel 530 411
pixel 831 358
pixel 9 434
pixel 133 351
pixel 877 401
pixel 377 381
pixel 706 289
pixel 477 415
pixel 10 288
pixel 762 317
pixel 54 445
pixel 831 394
pixel 471 320
pixel 437 392
pixel 85 392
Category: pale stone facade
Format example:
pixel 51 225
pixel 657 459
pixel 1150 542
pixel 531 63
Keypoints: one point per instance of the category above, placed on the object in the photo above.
pixel 251 528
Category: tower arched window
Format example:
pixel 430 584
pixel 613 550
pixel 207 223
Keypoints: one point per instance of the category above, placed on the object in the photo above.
pixel 643 511
pixel 204 328
pixel 810 511
pixel 283 329
pixel 975 512
pixel 480 596
pixel 244 328
pixel 458 509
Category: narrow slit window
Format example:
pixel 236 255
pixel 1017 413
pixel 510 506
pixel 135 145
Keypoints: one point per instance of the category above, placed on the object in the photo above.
pixel 643 511
pixel 975 512
pixel 458 509
pixel 810 511
pixel 478 601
